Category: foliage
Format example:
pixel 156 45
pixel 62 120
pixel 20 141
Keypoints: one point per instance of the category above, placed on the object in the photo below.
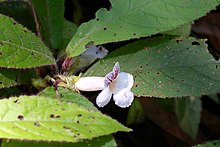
pixel 164 60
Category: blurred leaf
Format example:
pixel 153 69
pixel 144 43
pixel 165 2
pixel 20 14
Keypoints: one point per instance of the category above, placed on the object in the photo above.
pixel 214 97
pixel 47 119
pixel 12 77
pixel 103 141
pixel 19 47
pixel 189 118
pixel 165 67
pixel 51 17
pixel 20 11
pixel 134 19
pixel 135 113
pixel 7 92
pixel 69 96
pixel 68 32
pixel 209 144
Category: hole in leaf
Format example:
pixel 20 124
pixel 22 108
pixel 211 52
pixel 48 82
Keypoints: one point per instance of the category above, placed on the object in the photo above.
pixel 20 117
pixel 54 116
pixel 79 115
pixel 67 128
pixel 216 66
pixel 77 121
pixel 97 19
pixel 14 23
pixel 37 124
pixel 16 101
pixel 0 82
pixel 157 73
pixel 195 43
pixel 16 79
pixel 0 53
pixel 105 28
pixel 134 34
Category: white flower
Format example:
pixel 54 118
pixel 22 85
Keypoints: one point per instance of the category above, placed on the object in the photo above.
pixel 119 84
pixel 90 83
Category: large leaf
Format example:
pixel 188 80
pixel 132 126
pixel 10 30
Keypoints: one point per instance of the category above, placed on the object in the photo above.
pixel 12 77
pixel 48 119
pixel 164 67
pixel 188 112
pixel 19 48
pixel 103 141
pixel 137 18
pixel 51 17
pixel 69 96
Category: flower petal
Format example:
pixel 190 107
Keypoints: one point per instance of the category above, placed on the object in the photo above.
pixel 90 83
pixel 104 97
pixel 111 76
pixel 123 98
pixel 124 80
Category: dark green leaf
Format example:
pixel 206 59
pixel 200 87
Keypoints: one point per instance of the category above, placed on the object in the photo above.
pixel 12 77
pixel 188 112
pixel 51 17
pixel 134 19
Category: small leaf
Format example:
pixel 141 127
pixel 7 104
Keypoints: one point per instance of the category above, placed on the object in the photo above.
pixel 134 19
pixel 189 114
pixel 69 96
pixel 13 77
pixel 51 17
pixel 19 48
pixel 209 144
pixel 47 119
pixel 103 141
pixel 165 67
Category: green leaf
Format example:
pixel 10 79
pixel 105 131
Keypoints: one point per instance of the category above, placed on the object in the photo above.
pixel 20 11
pixel 183 31
pixel 19 48
pixel 165 67
pixel 103 141
pixel 188 111
pixel 209 144
pixel 134 19
pixel 48 119
pixel 13 77
pixel 51 17
pixel 69 96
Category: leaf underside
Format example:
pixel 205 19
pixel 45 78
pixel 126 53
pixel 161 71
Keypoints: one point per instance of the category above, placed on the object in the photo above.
pixel 129 19
pixel 165 67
